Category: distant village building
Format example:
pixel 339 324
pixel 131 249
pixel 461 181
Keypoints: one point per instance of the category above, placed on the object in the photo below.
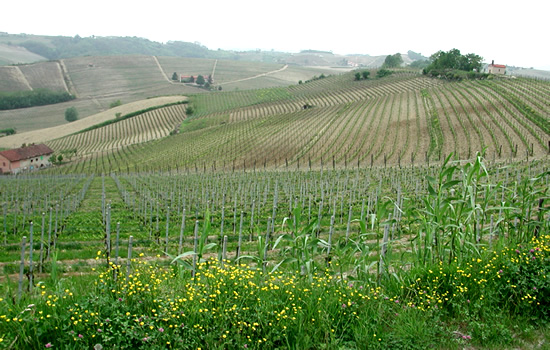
pixel 497 68
pixel 29 158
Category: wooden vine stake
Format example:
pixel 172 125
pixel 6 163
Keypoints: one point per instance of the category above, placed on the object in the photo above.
pixel 330 237
pixel 182 228
pixel 167 229
pixel 129 260
pixel 240 236
pixel 30 255
pixel 41 257
pixel 21 267
pixel 195 247
pixel 384 249
pixel 266 244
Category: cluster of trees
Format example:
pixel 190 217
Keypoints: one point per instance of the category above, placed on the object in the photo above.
pixel 8 131
pixel 442 62
pixel 38 97
pixel 381 73
pixel 322 76
pixel 362 75
pixel 393 61
pixel 56 159
pixel 65 47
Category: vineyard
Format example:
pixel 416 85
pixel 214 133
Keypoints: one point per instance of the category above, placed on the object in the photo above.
pixel 147 126
pixel 399 212
pixel 269 255
pixel 337 122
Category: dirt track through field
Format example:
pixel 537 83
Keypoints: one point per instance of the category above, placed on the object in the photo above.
pixel 256 76
pixel 69 86
pixel 162 71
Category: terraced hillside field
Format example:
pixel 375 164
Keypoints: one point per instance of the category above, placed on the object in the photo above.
pixel 48 134
pixel 142 128
pixel 339 122
pixel 97 82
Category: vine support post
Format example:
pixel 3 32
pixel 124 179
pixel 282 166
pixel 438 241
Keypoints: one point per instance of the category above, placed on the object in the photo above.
pixel 49 233
pixel 240 236
pixel 21 267
pixel 129 260
pixel 41 258
pixel 330 233
pixel 31 233
pixel 167 229
pixel 195 247
pixel 182 229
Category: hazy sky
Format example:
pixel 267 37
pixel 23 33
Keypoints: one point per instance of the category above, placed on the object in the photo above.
pixel 513 33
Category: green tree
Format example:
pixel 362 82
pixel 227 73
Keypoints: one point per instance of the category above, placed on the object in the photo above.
pixel 200 80
pixel 357 76
pixel 381 73
pixel 453 59
pixel 71 114
pixel 393 61
pixel 365 74
pixel 59 158
pixel 9 131
pixel 175 76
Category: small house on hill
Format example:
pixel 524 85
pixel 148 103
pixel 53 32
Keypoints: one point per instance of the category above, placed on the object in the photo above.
pixel 28 158
pixel 497 68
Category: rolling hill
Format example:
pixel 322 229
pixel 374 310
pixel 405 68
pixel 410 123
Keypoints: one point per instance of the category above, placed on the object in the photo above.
pixel 99 81
pixel 338 122
pixel 272 114
pixel 10 54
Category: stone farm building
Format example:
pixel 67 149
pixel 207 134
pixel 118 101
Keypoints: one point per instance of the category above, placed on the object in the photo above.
pixel 497 68
pixel 28 158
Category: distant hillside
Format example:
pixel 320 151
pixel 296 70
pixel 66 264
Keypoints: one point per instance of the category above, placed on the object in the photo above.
pixel 98 81
pixel 10 54
pixel 57 47
pixel 528 72
pixel 40 47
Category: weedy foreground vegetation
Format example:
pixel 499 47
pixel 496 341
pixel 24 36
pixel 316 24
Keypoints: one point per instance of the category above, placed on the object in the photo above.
pixel 448 256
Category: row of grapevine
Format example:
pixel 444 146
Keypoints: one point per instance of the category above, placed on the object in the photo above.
pixel 142 128
pixel 400 121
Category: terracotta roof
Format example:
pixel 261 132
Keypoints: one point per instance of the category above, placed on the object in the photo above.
pixel 14 155
pixel 498 65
